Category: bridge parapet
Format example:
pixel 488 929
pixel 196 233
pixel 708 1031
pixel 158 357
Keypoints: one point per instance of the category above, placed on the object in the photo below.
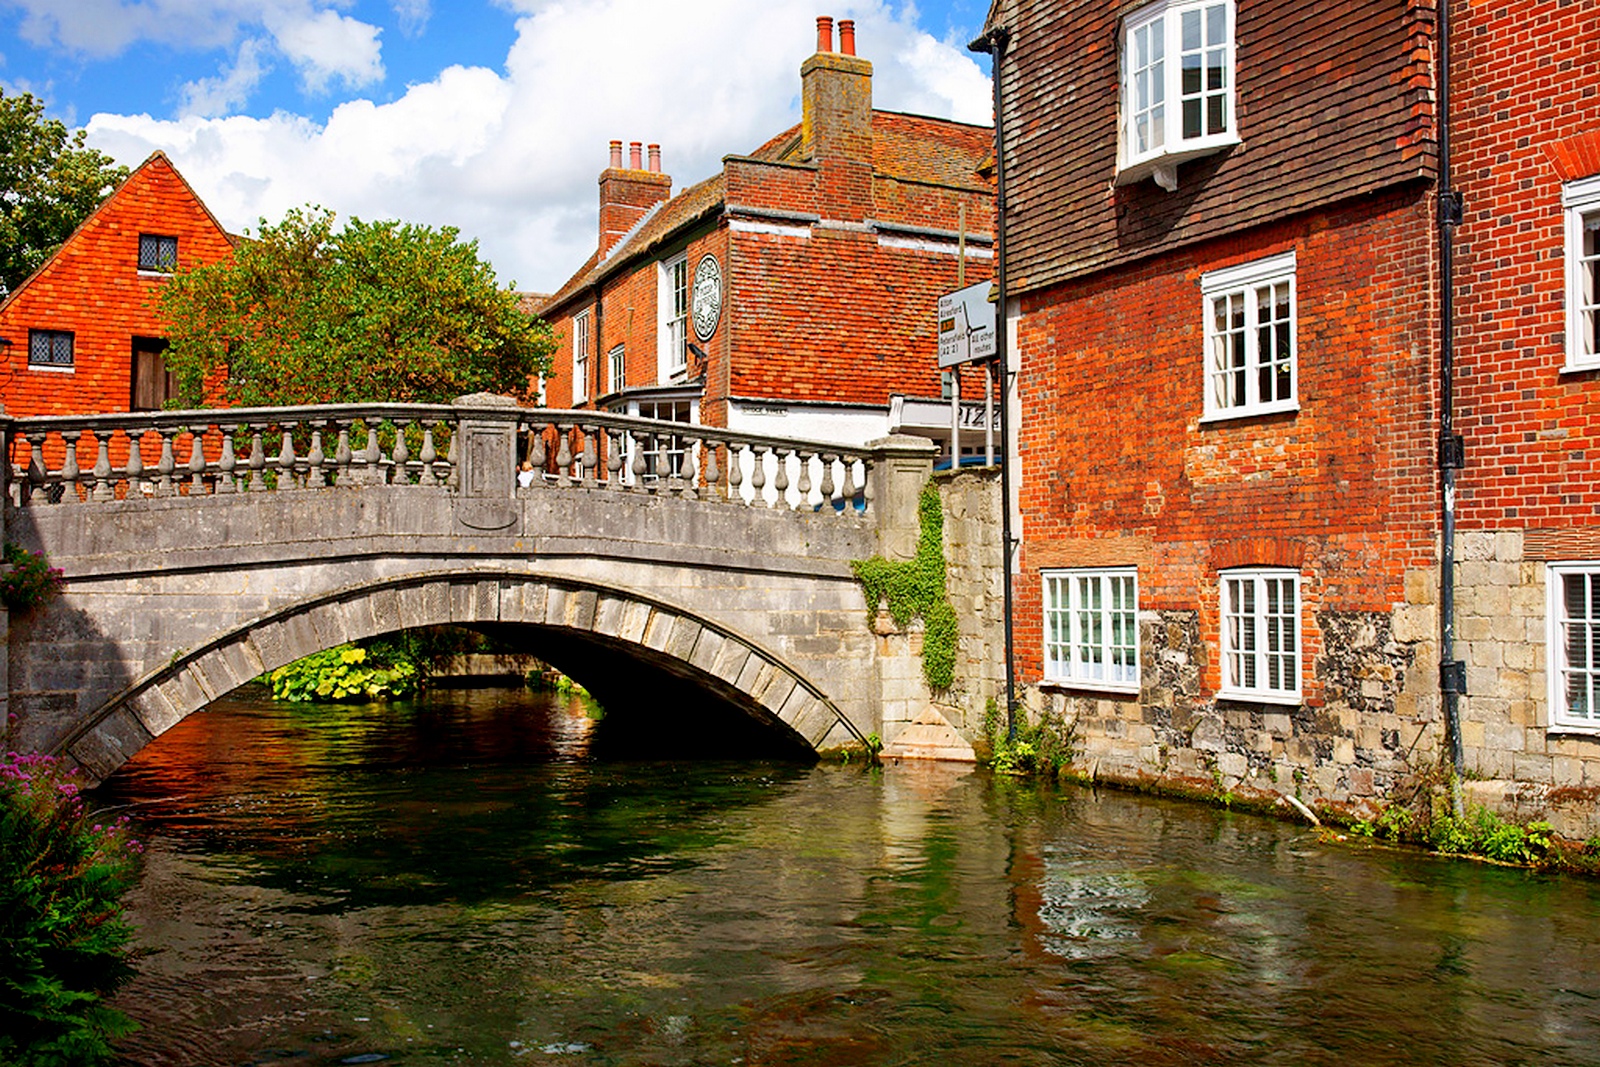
pixel 95 459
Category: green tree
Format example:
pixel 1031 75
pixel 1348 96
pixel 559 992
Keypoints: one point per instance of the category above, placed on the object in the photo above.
pixel 382 311
pixel 49 182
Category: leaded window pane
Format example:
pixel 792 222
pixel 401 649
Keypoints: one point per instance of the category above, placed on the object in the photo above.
pixel 158 253
pixel 50 348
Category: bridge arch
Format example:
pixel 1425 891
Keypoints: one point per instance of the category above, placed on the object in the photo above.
pixel 583 613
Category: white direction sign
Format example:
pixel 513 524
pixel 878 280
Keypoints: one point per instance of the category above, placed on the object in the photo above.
pixel 966 325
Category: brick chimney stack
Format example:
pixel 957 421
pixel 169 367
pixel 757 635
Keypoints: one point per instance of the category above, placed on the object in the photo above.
pixel 836 118
pixel 626 194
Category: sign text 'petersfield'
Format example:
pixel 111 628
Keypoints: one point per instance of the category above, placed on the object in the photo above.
pixel 966 325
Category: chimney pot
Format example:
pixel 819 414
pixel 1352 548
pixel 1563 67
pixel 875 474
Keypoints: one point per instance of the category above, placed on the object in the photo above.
pixel 847 36
pixel 655 158
pixel 616 155
pixel 635 159
pixel 824 33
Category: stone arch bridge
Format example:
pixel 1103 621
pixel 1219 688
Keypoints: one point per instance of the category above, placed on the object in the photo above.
pixel 202 548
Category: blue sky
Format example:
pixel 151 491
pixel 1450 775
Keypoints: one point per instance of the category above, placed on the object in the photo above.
pixel 489 116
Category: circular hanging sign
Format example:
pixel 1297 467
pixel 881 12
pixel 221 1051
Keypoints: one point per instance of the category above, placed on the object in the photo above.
pixel 705 307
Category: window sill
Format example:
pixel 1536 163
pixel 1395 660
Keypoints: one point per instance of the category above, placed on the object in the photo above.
pixel 1585 730
pixel 1233 414
pixel 156 273
pixel 1574 367
pixel 1242 696
pixel 52 370
pixel 1164 167
pixel 1086 685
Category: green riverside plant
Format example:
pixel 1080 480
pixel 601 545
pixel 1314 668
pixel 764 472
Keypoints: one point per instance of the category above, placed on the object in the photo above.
pixel 378 671
pixel 915 588
pixel 63 940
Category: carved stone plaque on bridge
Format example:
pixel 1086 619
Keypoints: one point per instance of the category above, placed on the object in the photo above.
pixel 488 472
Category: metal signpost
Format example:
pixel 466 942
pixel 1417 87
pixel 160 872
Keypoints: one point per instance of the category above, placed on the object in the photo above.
pixel 966 335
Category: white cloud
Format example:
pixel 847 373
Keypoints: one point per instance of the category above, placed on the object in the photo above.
pixel 325 45
pixel 413 15
pixel 511 157
pixel 209 97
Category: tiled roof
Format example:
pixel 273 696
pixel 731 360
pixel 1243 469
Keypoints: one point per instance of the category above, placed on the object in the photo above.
pixel 905 148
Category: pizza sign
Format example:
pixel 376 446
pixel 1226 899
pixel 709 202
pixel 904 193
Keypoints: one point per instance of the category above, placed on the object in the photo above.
pixel 705 306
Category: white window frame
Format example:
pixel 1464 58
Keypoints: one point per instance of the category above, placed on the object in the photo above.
pixel 1562 672
pixel 580 357
pixel 617 367
pixel 1246 283
pixel 1162 94
pixel 1252 635
pixel 1091 628
pixel 672 316
pixel 1580 203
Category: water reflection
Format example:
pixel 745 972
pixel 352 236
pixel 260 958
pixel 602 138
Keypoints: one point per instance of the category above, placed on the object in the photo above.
pixel 453 882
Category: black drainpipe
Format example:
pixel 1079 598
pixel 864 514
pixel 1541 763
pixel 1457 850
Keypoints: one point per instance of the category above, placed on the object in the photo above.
pixel 993 43
pixel 1452 452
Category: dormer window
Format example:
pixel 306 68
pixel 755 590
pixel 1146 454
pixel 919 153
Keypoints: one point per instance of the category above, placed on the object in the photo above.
pixel 1177 88
pixel 158 254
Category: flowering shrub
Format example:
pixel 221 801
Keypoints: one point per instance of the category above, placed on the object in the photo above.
pixel 63 941
pixel 29 581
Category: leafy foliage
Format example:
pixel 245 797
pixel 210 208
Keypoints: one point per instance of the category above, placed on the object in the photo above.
pixel 1483 833
pixel 347 673
pixel 30 579
pixel 916 587
pixel 1042 747
pixel 62 937
pixel 383 311
pixel 49 183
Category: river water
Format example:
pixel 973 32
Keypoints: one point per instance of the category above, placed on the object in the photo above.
pixel 451 881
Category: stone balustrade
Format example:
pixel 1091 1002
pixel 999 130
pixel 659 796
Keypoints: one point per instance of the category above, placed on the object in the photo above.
pixel 94 459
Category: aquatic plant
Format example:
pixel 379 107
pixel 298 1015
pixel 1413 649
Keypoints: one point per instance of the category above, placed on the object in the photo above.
pixel 1040 747
pixel 63 940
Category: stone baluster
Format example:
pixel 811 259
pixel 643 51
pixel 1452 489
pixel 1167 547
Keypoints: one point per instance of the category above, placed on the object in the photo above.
pixel 69 470
pixel 316 462
pixel 286 456
pixel 102 467
pixel 167 463
pixel 537 455
pixel 847 491
pixel 197 462
pixel 867 492
pixel 564 456
pixel 803 487
pixel 341 456
pixel 428 457
pixel 36 473
pixel 400 456
pixel 758 476
pixel 712 472
pixel 735 473
pixel 672 483
pixel 257 462
pixel 591 458
pixel 614 460
pixel 828 459
pixel 780 481
pixel 691 468
pixel 452 458
pixel 134 471
pixel 372 455
pixel 640 466
pixel 660 465
pixel 227 461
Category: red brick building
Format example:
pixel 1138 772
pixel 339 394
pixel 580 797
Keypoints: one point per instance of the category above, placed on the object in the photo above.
pixel 1525 156
pixel 795 290
pixel 81 334
pixel 1221 261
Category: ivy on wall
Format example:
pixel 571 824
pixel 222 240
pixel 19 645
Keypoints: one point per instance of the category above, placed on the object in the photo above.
pixel 915 588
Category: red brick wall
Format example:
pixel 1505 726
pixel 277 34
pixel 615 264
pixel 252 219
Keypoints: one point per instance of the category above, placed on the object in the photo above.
pixel 93 288
pixel 1115 467
pixel 1526 84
